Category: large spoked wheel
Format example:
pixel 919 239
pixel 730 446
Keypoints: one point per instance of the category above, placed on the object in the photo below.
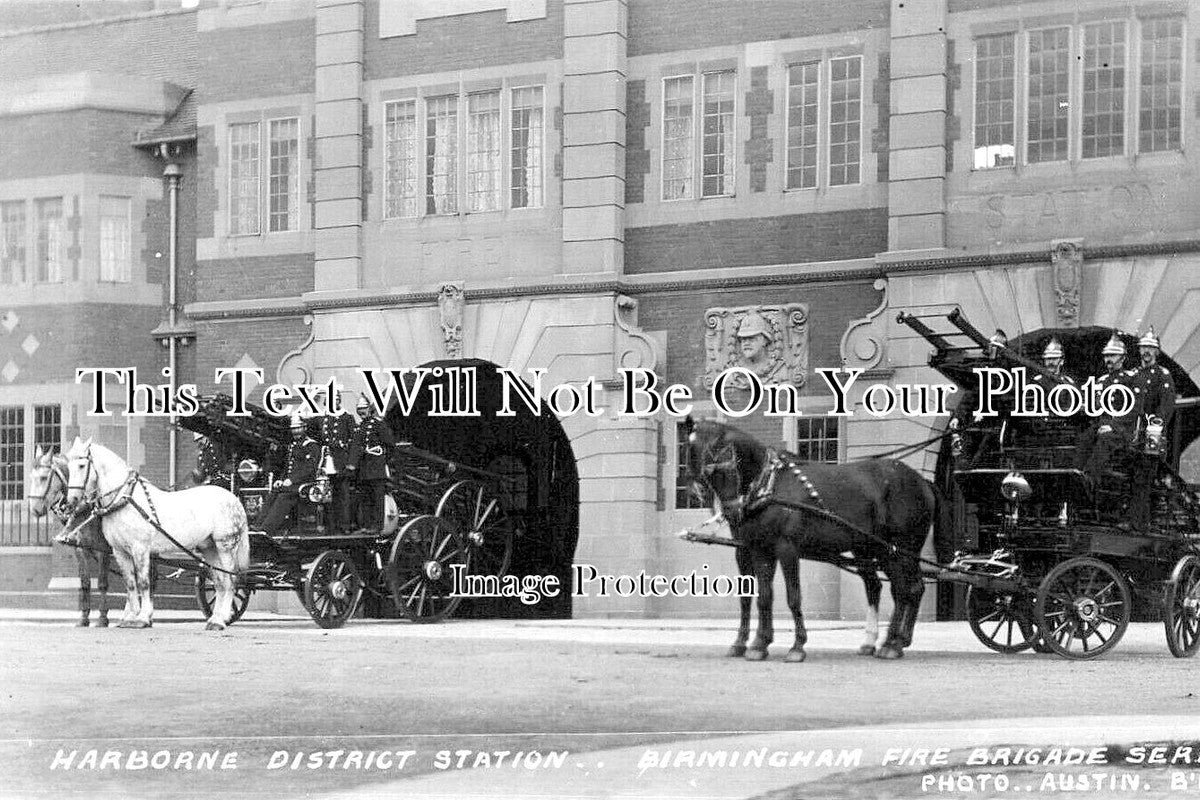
pixel 425 555
pixel 206 595
pixel 1083 608
pixel 1002 621
pixel 1181 608
pixel 332 589
pixel 485 524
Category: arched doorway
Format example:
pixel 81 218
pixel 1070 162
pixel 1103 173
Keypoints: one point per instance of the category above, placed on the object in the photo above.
pixel 539 481
pixel 1083 358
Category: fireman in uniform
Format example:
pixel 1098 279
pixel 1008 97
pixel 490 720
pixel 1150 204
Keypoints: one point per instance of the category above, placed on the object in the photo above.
pixel 367 460
pixel 303 465
pixel 211 463
pixel 337 434
pixel 1154 389
pixel 1053 358
pixel 1108 435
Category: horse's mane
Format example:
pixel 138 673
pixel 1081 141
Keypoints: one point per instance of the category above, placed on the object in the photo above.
pixel 751 454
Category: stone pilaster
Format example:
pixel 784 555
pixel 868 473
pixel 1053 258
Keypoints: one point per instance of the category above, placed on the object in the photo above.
pixel 917 136
pixel 594 70
pixel 337 169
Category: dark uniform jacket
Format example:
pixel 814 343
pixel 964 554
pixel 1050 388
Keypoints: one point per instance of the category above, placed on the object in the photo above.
pixel 337 433
pixel 1155 391
pixel 210 462
pixel 1125 422
pixel 370 448
pixel 303 462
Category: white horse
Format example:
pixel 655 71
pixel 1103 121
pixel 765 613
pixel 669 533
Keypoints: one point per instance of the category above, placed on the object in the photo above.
pixel 47 494
pixel 139 520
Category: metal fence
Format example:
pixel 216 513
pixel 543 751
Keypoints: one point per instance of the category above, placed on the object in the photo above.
pixel 19 527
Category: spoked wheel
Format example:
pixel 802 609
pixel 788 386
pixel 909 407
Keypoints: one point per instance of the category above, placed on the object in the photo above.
pixel 332 589
pixel 421 568
pixel 1083 608
pixel 1181 608
pixel 206 595
pixel 1002 621
pixel 485 524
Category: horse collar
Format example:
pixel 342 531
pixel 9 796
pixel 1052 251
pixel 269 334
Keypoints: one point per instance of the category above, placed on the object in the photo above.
pixel 124 493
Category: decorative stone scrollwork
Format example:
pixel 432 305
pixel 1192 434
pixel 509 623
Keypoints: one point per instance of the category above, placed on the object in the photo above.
pixel 632 347
pixel 770 341
pixel 1066 258
pixel 863 343
pixel 450 305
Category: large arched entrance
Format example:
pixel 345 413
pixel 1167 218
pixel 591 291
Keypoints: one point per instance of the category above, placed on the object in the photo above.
pixel 539 481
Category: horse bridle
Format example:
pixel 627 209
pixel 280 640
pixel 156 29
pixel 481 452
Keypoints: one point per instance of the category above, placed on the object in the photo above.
pixel 58 507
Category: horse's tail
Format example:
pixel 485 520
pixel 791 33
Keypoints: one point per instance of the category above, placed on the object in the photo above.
pixel 241 554
pixel 943 525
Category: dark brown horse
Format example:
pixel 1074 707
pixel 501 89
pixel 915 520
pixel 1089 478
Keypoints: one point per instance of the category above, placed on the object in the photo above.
pixel 47 490
pixel 865 516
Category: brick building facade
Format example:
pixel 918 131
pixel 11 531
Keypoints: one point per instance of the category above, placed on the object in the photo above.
pixel 612 183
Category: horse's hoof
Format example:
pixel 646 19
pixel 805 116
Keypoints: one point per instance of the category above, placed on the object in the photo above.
pixel 889 653
pixel 755 655
pixel 736 651
pixel 795 656
pixel 83 623
pixel 127 623
pixel 136 623
pixel 214 626
pixel 102 622
pixel 866 650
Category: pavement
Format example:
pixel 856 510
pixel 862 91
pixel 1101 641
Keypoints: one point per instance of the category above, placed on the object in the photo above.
pixel 895 760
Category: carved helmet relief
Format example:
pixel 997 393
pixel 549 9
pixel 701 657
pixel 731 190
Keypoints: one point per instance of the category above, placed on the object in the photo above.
pixel 770 341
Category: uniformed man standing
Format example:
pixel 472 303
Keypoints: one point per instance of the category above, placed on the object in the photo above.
pixel 303 463
pixel 1053 358
pixel 337 434
pixel 1154 390
pixel 211 466
pixel 367 459
pixel 1108 434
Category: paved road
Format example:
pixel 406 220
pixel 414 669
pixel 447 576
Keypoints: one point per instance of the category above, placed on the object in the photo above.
pixel 282 692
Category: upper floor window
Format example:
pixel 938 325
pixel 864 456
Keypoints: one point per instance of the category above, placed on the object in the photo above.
pixel 487 143
pixel 995 74
pixel 13 239
pixel 712 135
pixel 678 137
pixel 845 120
pixel 1160 112
pixel 246 200
pixel 803 113
pixel 1077 100
pixel 48 260
pixel 718 153
pixel 115 257
pixel 837 146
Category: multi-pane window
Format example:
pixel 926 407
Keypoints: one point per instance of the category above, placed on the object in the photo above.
pixel 49 242
pixel 283 178
pixel 12 241
pixel 115 257
pixel 1103 89
pixel 817 438
pixel 684 497
pixel 1160 109
pixel 802 119
pixel 47 427
pixel 12 452
pixel 1049 95
pixel 845 119
pixel 527 147
pixel 718 145
pixel 441 155
pixel 678 137
pixel 400 120
pixel 244 178
pixel 994 126
pixel 483 151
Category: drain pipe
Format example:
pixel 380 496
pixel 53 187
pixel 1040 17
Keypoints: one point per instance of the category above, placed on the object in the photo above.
pixel 174 174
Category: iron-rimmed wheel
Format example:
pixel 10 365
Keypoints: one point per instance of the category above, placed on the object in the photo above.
pixel 206 595
pixel 1181 607
pixel 1083 608
pixel 485 524
pixel 1001 621
pixel 420 569
pixel 332 589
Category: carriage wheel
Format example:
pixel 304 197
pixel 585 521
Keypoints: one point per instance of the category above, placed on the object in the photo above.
pixel 332 589
pixel 420 569
pixel 1181 608
pixel 1002 621
pixel 206 595
pixel 484 522
pixel 1083 608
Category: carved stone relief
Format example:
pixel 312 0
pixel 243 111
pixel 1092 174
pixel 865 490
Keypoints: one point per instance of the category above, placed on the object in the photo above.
pixel 450 307
pixel 1066 258
pixel 770 341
